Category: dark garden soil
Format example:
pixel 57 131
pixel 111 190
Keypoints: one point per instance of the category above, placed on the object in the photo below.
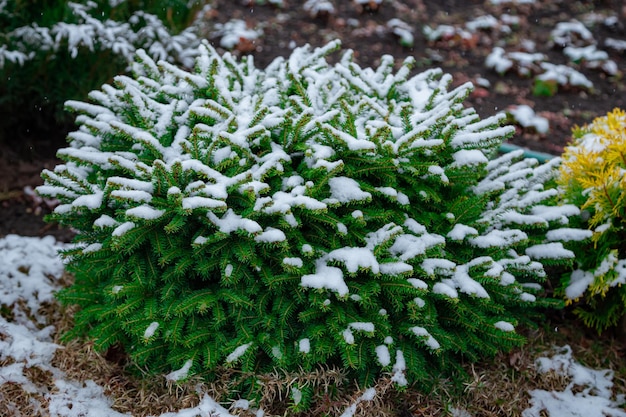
pixel 364 30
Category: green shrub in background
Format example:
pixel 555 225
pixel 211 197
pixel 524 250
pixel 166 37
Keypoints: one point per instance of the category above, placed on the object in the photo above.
pixel 305 215
pixel 52 51
pixel 592 177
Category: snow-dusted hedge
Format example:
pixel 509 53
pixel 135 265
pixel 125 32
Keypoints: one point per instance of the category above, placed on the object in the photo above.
pixel 593 176
pixel 71 48
pixel 93 26
pixel 307 214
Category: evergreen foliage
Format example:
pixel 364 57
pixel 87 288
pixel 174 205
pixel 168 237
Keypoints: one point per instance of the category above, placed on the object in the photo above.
pixel 592 177
pixel 71 48
pixel 300 215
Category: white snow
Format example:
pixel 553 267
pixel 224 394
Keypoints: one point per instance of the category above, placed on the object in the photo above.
pixel 122 229
pixel 76 399
pixel 368 395
pixel 464 282
pixel 498 61
pixel 580 279
pixel 430 341
pixel 418 283
pixel 151 330
pixel 296 395
pixel 568 234
pixel 346 190
pixel 466 157
pixel 328 277
pixel 348 336
pixel 304 345
pixel 357 214
pixel 24 264
pixel 394 194
pixel 434 266
pixel 271 235
pixel 282 202
pixel 145 212
pixel 130 183
pixel 439 172
pixel 586 53
pixel 90 201
pixel 207 407
pixel 297 262
pixel 362 326
pixel 552 250
pixel 195 202
pixel 241 404
pixel 504 326
pixel 499 238
pixel 137 196
pixel 105 221
pixel 238 352
pixel 402 30
pixel 220 155
pixel 565 32
pixel 617 44
pixel 384 234
pixel 383 355
pixel 446 289
pixel 398 369
pixel 588 394
pixel 564 75
pixel 231 222
pixel 526 117
pixel 556 213
pixel 233 32
pixel 353 143
pixel 395 268
pixel 460 231
pixel 181 373
pixel 408 246
pixel 355 259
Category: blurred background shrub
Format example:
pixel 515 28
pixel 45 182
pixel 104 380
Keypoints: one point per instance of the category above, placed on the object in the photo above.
pixel 52 51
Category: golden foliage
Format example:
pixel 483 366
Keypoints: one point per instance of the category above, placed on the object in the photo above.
pixel 593 176
pixel 595 166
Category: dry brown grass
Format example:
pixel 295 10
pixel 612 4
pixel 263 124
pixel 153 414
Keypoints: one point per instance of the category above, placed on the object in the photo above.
pixel 25 400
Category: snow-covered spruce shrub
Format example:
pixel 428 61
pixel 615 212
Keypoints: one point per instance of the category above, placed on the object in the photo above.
pixel 300 215
pixel 593 177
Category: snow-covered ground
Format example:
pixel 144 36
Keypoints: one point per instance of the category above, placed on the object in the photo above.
pixel 30 273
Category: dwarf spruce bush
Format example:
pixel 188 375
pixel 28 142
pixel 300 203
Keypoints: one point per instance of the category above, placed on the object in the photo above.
pixel 307 214
pixel 593 177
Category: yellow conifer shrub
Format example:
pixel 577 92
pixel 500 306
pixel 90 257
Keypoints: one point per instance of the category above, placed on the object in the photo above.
pixel 593 177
